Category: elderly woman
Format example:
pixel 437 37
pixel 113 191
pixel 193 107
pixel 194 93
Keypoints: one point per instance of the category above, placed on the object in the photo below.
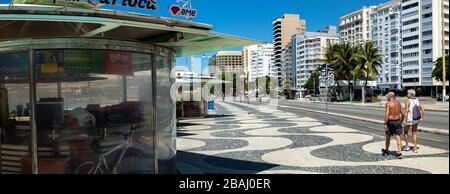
pixel 415 112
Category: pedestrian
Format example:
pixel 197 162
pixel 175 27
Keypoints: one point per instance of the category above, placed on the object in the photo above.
pixel 393 119
pixel 415 112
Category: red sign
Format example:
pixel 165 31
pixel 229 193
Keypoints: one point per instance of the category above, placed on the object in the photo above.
pixel 120 63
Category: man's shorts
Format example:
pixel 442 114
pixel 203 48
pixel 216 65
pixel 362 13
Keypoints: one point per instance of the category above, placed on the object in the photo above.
pixel 394 128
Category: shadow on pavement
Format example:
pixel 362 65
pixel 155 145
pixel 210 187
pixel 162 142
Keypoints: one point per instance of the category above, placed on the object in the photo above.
pixel 225 165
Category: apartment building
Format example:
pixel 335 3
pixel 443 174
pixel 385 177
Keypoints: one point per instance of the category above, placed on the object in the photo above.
pixel 310 48
pixel 226 62
pixel 355 26
pixel 289 68
pixel 385 25
pixel 422 41
pixel 257 58
pixel 283 29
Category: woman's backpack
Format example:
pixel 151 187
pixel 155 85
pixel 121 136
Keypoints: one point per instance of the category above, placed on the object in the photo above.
pixel 416 111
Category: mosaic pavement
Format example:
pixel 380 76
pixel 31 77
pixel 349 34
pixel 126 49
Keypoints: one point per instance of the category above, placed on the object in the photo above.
pixel 259 139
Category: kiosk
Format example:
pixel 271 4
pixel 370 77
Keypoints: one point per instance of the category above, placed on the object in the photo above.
pixel 91 91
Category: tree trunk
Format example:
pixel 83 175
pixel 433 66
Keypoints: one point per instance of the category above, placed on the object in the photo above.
pixel 365 87
pixel 338 91
pixel 354 89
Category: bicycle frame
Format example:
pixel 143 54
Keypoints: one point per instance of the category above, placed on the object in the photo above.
pixel 102 160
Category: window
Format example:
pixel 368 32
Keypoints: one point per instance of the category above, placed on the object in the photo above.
pixel 427 42
pixel 427 15
pixel 409 55
pixel 427 79
pixel 410 46
pixel 410 30
pixel 427 70
pixel 410 80
pixel 410 6
pixel 427 24
pixel 409 14
pixel 411 38
pixel 410 22
pixel 427 51
pixel 426 33
pixel 410 63
pixel 410 71
pixel 427 60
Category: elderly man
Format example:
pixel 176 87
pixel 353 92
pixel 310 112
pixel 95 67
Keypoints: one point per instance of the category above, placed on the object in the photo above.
pixel 393 120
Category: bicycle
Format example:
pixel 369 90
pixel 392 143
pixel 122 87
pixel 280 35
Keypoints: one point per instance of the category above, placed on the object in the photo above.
pixel 126 151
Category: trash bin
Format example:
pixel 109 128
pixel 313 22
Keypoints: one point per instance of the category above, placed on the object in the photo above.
pixel 210 105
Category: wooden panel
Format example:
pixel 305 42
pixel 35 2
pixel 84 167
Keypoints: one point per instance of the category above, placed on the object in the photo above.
pixel 50 165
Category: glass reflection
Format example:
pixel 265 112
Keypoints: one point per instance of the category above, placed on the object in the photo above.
pixel 93 112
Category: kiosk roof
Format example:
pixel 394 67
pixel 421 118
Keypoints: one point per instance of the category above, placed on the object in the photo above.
pixel 20 21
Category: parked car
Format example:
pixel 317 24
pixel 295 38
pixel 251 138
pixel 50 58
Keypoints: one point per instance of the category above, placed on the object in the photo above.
pixel 312 97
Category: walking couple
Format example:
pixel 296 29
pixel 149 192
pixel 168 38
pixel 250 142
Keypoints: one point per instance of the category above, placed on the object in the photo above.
pixel 395 118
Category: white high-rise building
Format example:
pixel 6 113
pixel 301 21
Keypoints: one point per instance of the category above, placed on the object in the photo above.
pixel 257 58
pixel 355 26
pixel 310 51
pixel 422 40
pixel 386 35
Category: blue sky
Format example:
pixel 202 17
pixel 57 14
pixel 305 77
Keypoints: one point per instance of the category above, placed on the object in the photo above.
pixel 253 18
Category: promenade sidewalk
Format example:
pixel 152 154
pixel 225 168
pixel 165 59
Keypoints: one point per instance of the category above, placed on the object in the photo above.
pixel 250 139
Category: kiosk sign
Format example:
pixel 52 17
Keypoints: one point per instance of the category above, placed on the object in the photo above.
pixel 183 9
pixel 143 4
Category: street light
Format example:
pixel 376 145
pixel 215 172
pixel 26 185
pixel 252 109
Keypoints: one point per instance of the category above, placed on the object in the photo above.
pixel 443 53
pixel 326 93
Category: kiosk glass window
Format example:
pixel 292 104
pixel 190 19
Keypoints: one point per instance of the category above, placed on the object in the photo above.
pixel 166 112
pixel 94 111
pixel 15 133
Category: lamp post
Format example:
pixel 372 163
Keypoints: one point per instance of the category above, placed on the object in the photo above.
pixel 326 97
pixel 314 92
pixel 443 53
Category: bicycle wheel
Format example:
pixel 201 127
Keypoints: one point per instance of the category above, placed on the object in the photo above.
pixel 88 168
pixel 135 161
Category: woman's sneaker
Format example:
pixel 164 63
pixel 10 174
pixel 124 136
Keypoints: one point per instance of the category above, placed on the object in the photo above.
pixel 406 148
pixel 399 156
pixel 384 152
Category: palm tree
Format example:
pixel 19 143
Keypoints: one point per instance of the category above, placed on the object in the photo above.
pixel 437 71
pixel 345 61
pixel 369 60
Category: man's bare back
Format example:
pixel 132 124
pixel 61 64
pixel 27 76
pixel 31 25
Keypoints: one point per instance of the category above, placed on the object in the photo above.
pixel 395 110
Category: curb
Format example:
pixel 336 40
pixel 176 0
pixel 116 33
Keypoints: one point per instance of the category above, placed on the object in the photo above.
pixel 380 107
pixel 422 129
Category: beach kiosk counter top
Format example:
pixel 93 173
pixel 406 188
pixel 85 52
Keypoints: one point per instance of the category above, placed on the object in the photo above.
pixel 86 90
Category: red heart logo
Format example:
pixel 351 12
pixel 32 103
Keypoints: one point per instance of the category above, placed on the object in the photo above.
pixel 174 10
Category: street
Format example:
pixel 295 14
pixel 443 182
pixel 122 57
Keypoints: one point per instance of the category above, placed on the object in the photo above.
pixel 438 120
pixel 246 138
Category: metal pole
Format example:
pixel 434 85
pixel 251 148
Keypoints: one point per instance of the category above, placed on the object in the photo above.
pixel 314 92
pixel 32 82
pixel 124 88
pixel 155 118
pixel 443 53
pixel 326 97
